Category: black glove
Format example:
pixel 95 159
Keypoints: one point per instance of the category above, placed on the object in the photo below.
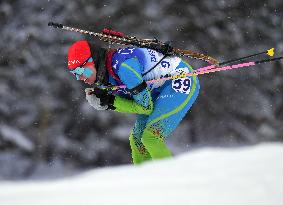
pixel 100 99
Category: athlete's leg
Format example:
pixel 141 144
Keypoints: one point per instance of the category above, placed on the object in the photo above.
pixel 170 107
pixel 139 152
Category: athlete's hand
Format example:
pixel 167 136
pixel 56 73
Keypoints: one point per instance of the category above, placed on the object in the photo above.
pixel 99 99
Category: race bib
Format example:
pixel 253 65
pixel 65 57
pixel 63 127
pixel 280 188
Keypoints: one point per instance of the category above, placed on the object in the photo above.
pixel 181 85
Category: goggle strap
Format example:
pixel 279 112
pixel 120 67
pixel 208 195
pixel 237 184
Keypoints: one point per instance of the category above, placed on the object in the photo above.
pixel 89 60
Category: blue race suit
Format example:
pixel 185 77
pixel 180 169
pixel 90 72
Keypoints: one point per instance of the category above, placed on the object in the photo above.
pixel 161 106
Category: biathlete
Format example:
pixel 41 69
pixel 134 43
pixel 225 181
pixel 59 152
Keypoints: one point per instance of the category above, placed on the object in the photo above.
pixel 159 107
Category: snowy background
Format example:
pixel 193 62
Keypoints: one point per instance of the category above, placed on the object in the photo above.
pixel 47 129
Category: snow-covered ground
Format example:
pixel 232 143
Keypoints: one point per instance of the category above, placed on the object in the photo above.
pixel 247 175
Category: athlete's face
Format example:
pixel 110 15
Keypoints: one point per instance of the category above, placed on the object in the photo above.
pixel 86 72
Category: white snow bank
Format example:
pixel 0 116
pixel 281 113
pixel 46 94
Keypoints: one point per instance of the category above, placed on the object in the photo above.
pixel 240 176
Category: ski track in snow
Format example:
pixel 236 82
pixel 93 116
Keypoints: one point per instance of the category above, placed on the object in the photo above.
pixel 247 175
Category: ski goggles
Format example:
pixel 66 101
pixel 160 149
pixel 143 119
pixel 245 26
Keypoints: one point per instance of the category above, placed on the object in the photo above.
pixel 83 70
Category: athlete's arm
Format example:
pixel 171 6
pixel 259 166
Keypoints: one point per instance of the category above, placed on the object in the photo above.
pixel 130 74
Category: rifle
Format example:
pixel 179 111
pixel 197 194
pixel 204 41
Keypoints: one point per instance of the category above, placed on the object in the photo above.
pixel 115 37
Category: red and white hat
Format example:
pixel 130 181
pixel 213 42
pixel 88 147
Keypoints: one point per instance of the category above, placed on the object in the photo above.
pixel 78 53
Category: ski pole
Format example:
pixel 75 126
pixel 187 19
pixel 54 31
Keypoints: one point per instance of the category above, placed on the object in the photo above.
pixel 200 71
pixel 269 52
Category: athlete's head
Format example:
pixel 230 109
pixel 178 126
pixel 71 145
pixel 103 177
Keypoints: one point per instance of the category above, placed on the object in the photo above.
pixel 81 62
